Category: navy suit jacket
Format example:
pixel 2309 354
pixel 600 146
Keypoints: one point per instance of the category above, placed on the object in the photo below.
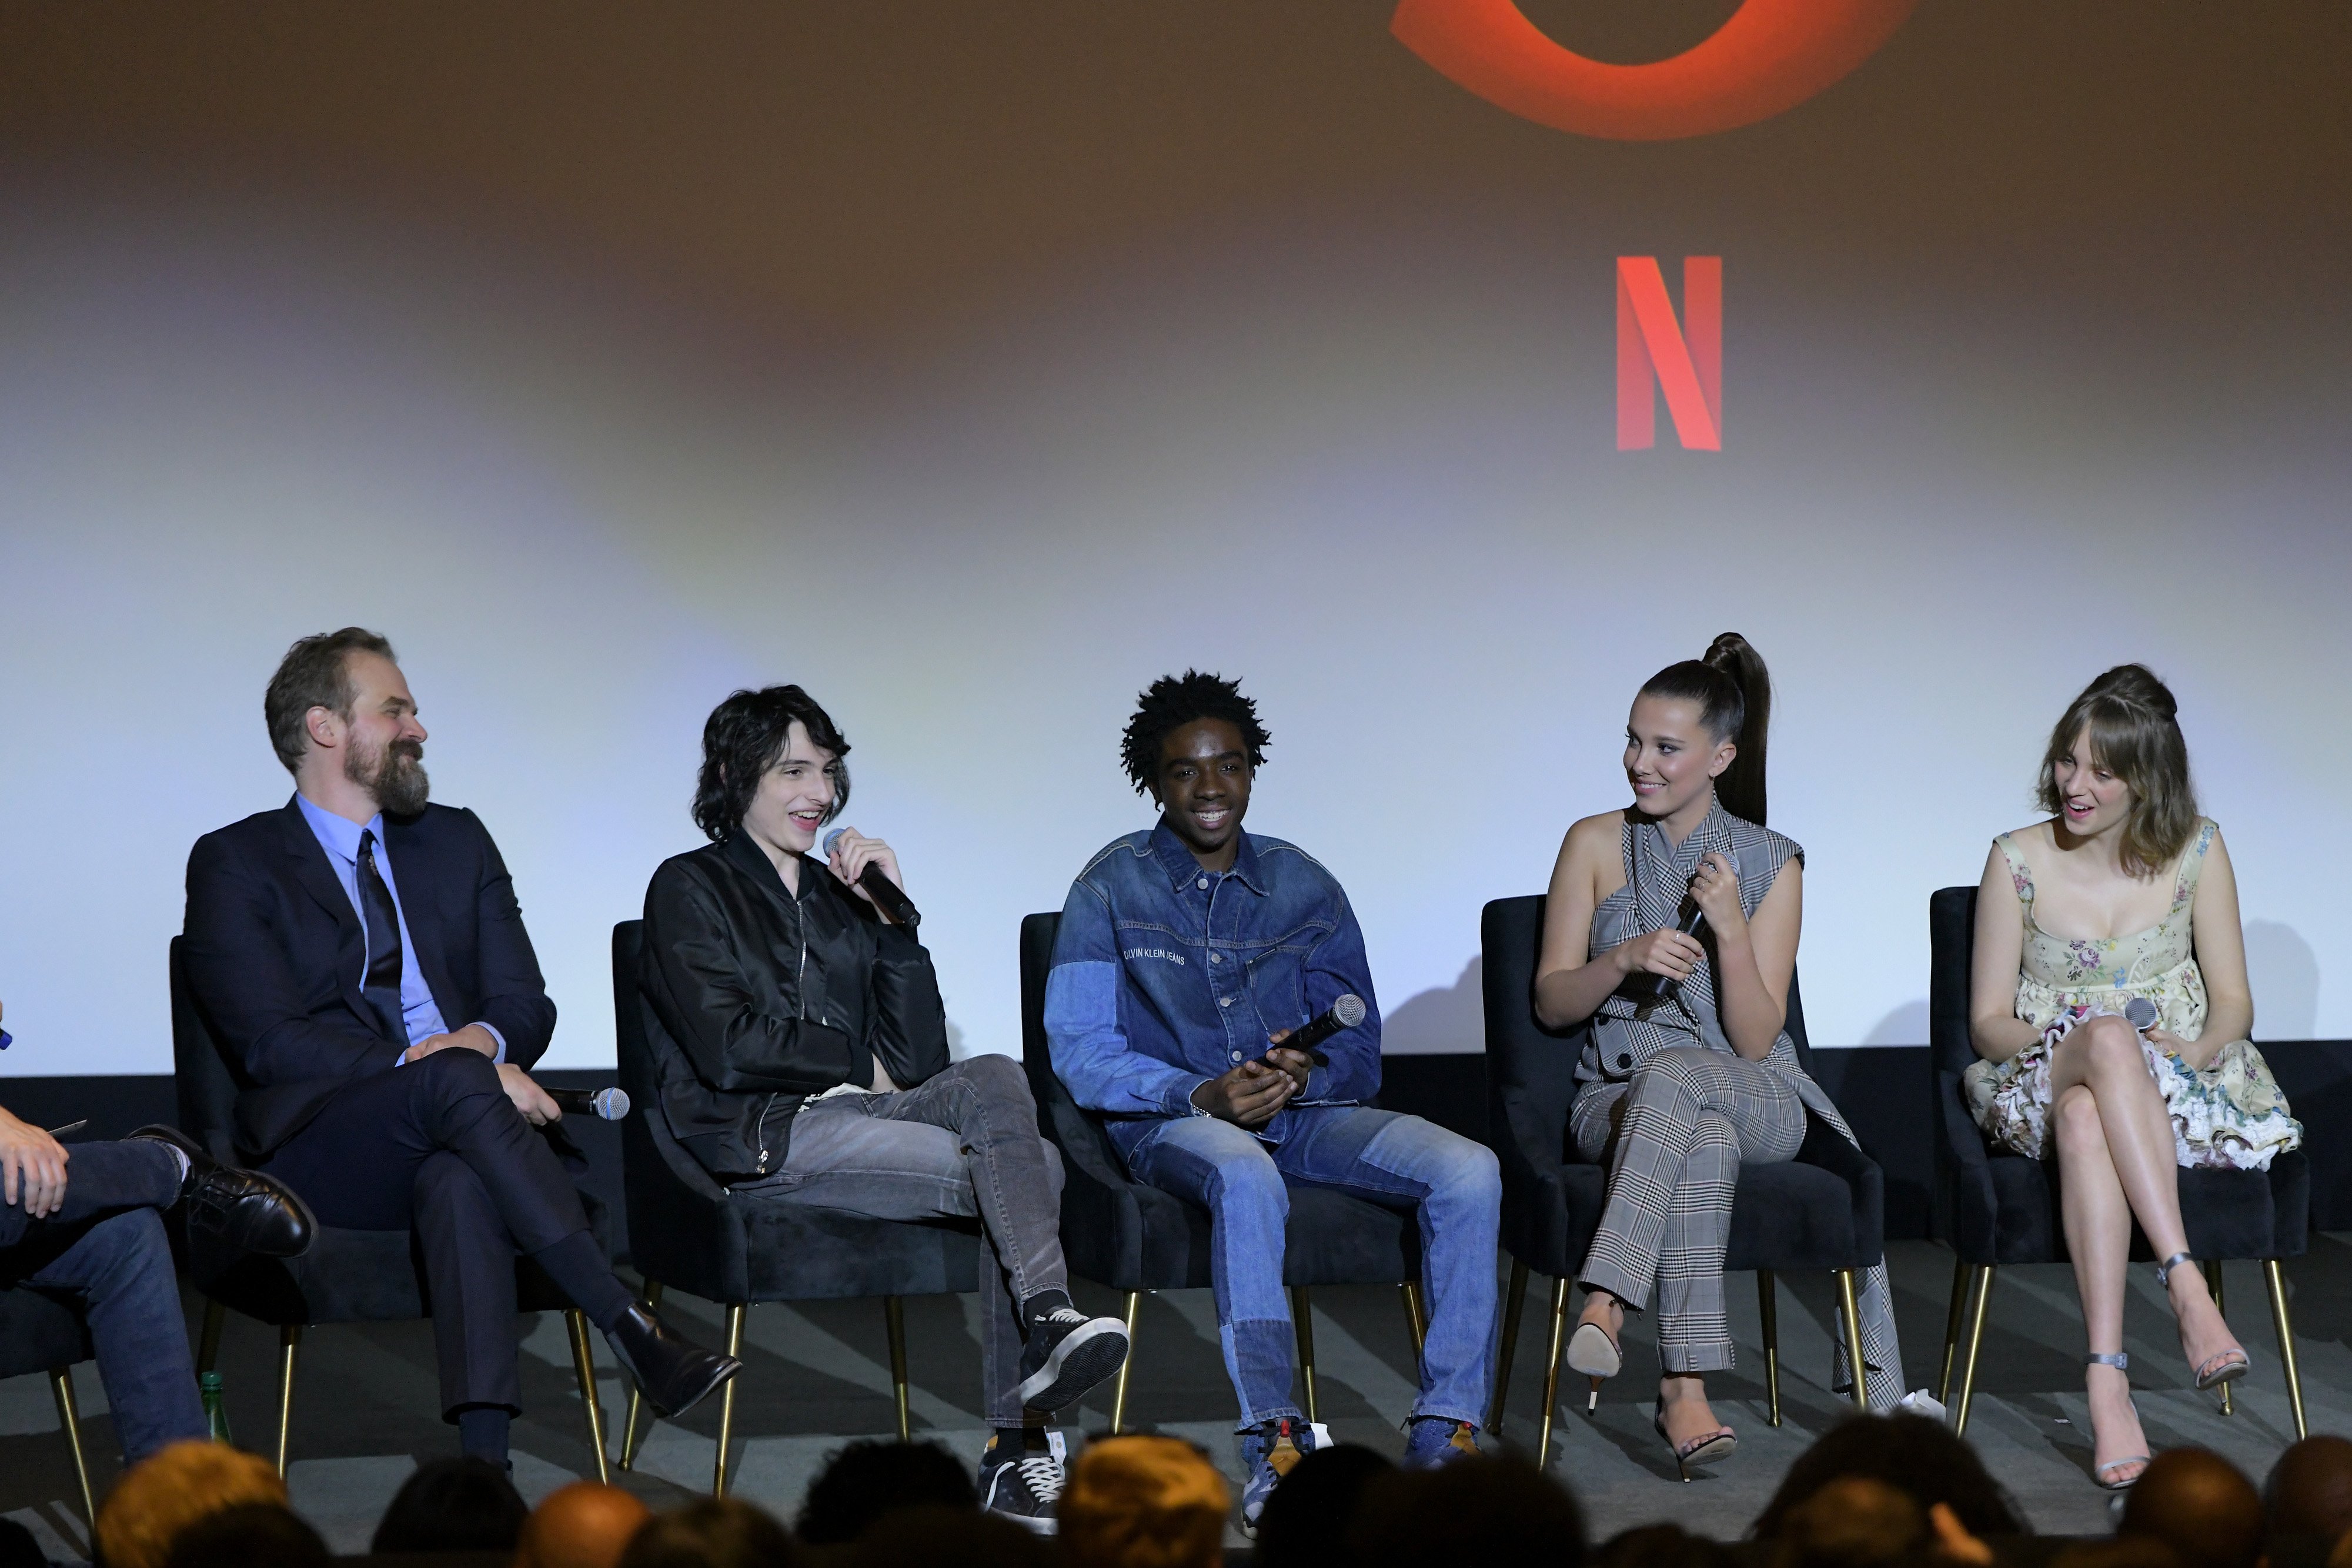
pixel 274 954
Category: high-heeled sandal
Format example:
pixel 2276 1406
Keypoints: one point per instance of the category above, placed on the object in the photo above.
pixel 2222 1367
pixel 1592 1352
pixel 1703 1449
pixel 2121 1362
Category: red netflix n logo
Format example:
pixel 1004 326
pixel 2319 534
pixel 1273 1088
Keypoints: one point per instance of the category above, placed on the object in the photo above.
pixel 1655 350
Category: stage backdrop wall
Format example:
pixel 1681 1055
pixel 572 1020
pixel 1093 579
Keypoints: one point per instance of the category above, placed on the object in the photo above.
pixel 973 372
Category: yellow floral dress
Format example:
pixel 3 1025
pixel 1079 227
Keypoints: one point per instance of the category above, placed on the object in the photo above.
pixel 2231 1116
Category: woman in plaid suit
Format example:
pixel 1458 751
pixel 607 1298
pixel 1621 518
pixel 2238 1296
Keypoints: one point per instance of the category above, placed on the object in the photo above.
pixel 1687 1071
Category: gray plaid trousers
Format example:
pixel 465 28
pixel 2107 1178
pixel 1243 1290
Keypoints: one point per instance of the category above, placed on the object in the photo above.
pixel 1675 1136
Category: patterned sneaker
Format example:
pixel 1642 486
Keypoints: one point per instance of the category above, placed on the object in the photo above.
pixel 1434 1440
pixel 1024 1487
pixel 1067 1353
pixel 1269 1453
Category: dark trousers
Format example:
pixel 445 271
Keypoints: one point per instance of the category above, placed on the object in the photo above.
pixel 104 1254
pixel 436 1148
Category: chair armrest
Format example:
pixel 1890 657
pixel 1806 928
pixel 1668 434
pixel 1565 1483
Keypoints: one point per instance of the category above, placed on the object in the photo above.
pixel 1102 1219
pixel 1968 1207
pixel 1827 1149
pixel 684 1228
pixel 1530 1141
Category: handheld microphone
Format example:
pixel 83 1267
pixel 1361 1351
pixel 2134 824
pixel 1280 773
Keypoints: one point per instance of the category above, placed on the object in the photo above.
pixel 2140 1013
pixel 1344 1013
pixel 610 1105
pixel 1692 919
pixel 884 891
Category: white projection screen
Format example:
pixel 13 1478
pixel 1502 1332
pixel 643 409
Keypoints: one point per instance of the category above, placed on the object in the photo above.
pixel 972 376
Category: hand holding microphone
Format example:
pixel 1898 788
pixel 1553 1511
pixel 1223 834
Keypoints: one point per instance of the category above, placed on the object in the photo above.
pixel 869 866
pixel 607 1104
pixel 1666 958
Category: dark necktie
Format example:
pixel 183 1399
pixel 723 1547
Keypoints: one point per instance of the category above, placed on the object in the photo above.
pixel 382 984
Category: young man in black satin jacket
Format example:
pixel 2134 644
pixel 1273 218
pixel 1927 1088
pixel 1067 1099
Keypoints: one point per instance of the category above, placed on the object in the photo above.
pixel 802 1057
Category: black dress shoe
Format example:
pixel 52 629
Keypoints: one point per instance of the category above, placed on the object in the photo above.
pixel 243 1209
pixel 674 1373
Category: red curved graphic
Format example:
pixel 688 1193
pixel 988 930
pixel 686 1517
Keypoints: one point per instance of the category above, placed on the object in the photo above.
pixel 1771 56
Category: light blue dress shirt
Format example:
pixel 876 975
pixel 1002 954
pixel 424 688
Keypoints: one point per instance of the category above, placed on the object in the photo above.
pixel 420 1016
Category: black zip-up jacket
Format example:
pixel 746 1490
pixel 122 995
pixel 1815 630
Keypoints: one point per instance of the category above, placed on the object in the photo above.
pixel 755 1001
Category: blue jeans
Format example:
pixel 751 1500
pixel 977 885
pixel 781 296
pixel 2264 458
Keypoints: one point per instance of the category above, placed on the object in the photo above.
pixel 104 1253
pixel 1451 1183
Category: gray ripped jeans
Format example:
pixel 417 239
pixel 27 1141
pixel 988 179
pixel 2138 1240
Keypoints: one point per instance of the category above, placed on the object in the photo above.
pixel 963 1143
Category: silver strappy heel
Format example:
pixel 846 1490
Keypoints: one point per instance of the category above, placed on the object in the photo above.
pixel 2225 1366
pixel 2121 1362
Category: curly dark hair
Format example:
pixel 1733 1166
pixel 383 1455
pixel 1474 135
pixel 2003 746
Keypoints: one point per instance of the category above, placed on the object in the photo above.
pixel 1170 704
pixel 742 741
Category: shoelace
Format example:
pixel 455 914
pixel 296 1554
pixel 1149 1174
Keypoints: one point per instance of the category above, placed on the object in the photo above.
pixel 1067 1317
pixel 1042 1474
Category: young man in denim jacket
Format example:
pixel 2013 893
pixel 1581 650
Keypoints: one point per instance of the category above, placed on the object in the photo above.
pixel 1188 953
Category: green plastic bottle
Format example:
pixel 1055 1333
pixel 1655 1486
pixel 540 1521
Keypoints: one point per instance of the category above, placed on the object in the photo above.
pixel 208 1388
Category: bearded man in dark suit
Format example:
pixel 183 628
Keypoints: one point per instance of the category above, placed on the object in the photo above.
pixel 361 955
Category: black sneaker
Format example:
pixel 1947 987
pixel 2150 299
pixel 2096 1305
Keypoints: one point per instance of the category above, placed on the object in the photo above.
pixel 1021 1486
pixel 1068 1352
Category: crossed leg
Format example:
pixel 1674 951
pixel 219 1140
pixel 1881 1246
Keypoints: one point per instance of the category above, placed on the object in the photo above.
pixel 2117 1162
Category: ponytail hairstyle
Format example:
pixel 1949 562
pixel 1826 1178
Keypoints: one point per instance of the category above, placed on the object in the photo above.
pixel 2129 716
pixel 1734 693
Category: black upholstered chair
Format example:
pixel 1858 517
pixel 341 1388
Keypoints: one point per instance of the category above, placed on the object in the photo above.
pixel 347 1275
pixel 687 1231
pixel 1997 1208
pixel 1136 1238
pixel 1825 1209
pixel 38 1334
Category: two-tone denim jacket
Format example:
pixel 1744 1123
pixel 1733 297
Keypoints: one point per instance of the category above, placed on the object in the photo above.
pixel 1166 974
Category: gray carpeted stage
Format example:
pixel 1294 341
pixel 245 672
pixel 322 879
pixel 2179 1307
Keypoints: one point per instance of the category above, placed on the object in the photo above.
pixel 819 1375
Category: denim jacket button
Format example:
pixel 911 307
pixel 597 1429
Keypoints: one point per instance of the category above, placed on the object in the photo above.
pixel 1237 1056
pixel 1216 957
pixel 1203 883
pixel 1224 1001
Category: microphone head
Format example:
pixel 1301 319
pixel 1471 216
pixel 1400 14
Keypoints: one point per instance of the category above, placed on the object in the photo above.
pixel 1349 1010
pixel 833 837
pixel 2140 1013
pixel 612 1104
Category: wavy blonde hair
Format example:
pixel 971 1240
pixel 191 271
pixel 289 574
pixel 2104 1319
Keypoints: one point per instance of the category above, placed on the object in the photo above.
pixel 1144 1502
pixel 171 1490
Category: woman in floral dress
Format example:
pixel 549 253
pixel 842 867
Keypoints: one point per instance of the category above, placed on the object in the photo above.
pixel 2124 896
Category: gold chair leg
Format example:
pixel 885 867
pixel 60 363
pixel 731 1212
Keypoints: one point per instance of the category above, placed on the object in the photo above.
pixel 1767 1306
pixel 1952 1319
pixel 1854 1356
pixel 69 1417
pixel 2276 1282
pixel 1118 1392
pixel 289 1341
pixel 1515 1299
pixel 1302 1324
pixel 583 1363
pixel 735 1311
pixel 1415 1319
pixel 1975 1343
pixel 894 1318
pixel 636 1395
pixel 1551 1368
pixel 2212 1267
pixel 208 1341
